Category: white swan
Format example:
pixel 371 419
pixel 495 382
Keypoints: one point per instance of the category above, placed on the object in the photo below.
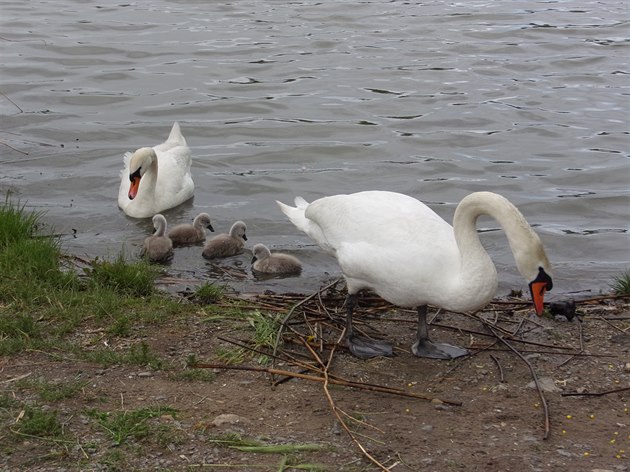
pixel 226 245
pixel 186 233
pixel 278 263
pixel 158 247
pixel 156 179
pixel 398 247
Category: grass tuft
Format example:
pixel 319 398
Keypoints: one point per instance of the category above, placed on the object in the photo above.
pixel 17 224
pixel 208 293
pixel 126 278
pixel 621 283
pixel 122 425
pixel 39 423
pixel 265 331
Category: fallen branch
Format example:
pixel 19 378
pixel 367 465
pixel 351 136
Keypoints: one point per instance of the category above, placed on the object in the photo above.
pixel 346 383
pixel 326 380
pixel 15 379
pixel 594 394
pixel 534 376
pixel 496 361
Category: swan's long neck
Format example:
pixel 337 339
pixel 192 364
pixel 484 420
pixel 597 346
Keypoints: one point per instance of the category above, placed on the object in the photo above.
pixel 478 272
pixel 149 179
pixel 160 227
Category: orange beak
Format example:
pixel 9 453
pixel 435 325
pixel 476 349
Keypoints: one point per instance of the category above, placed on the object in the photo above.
pixel 538 290
pixel 538 287
pixel 133 188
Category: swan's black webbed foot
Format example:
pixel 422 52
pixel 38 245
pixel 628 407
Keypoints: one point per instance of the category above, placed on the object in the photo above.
pixel 366 348
pixel 431 350
pixel 359 346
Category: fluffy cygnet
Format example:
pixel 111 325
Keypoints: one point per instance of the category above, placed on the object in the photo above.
pixel 191 233
pixel 157 247
pixel 277 263
pixel 225 245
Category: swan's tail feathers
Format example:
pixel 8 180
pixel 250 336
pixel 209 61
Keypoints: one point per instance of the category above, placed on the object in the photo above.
pixel 176 135
pixel 300 203
pixel 296 214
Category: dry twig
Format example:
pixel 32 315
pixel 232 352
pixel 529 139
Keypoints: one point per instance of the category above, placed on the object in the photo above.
pixel 336 381
pixel 534 376
pixel 595 394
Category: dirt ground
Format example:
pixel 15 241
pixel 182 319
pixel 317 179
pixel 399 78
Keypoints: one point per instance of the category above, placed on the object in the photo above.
pixel 486 415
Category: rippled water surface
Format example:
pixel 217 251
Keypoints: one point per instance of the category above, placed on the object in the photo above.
pixel 434 99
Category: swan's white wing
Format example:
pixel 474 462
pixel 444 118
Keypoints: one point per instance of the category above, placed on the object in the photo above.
pixel 380 218
pixel 174 181
pixel 390 243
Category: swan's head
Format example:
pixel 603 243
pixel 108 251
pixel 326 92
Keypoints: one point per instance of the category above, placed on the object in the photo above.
pixel 536 268
pixel 139 163
pixel 202 220
pixel 260 252
pixel 239 230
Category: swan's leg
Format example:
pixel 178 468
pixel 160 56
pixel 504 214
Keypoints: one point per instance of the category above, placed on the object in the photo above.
pixel 424 347
pixel 360 346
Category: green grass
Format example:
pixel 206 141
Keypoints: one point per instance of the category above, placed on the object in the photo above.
pixel 139 354
pixel 17 224
pixel 98 315
pixel 621 283
pixel 54 391
pixel 123 425
pixel 290 452
pixel 232 356
pixel 265 331
pixel 42 301
pixel 38 423
pixel 124 278
pixel 208 293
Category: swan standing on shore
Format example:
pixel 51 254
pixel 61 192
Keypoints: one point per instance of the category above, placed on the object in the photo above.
pixel 157 178
pixel 191 233
pixel 398 247
pixel 277 263
pixel 158 247
pixel 226 245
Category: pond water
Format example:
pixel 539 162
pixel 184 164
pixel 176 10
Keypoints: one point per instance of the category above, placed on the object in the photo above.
pixel 434 99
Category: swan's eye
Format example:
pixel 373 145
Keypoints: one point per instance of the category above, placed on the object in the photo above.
pixel 135 175
pixel 544 277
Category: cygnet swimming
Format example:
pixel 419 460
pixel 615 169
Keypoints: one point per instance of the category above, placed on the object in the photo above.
pixel 277 263
pixel 226 245
pixel 158 247
pixel 191 233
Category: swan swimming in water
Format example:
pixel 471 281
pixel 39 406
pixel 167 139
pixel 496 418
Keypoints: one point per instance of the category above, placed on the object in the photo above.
pixel 157 178
pixel 277 263
pixel 226 245
pixel 158 247
pixel 398 247
pixel 191 233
